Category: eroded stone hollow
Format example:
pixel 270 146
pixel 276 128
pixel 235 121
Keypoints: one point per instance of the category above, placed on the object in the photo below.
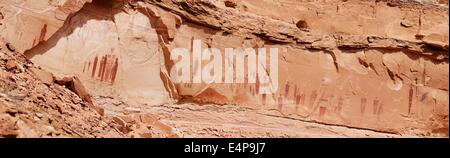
pixel 361 68
pixel 115 53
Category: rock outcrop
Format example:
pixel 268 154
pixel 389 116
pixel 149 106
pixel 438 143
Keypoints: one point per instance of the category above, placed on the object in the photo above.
pixel 31 105
pixel 376 65
pixel 35 104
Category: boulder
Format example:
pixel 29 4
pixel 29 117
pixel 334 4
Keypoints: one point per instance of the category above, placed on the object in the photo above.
pixel 43 75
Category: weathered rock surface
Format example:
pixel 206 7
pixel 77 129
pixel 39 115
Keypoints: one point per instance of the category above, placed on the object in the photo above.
pixel 33 106
pixel 377 65
pixel 27 23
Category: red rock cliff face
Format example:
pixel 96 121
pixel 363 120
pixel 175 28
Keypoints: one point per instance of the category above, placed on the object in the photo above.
pixel 378 65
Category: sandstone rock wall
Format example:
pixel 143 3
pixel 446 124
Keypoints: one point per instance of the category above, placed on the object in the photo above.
pixel 28 22
pixel 32 106
pixel 379 65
